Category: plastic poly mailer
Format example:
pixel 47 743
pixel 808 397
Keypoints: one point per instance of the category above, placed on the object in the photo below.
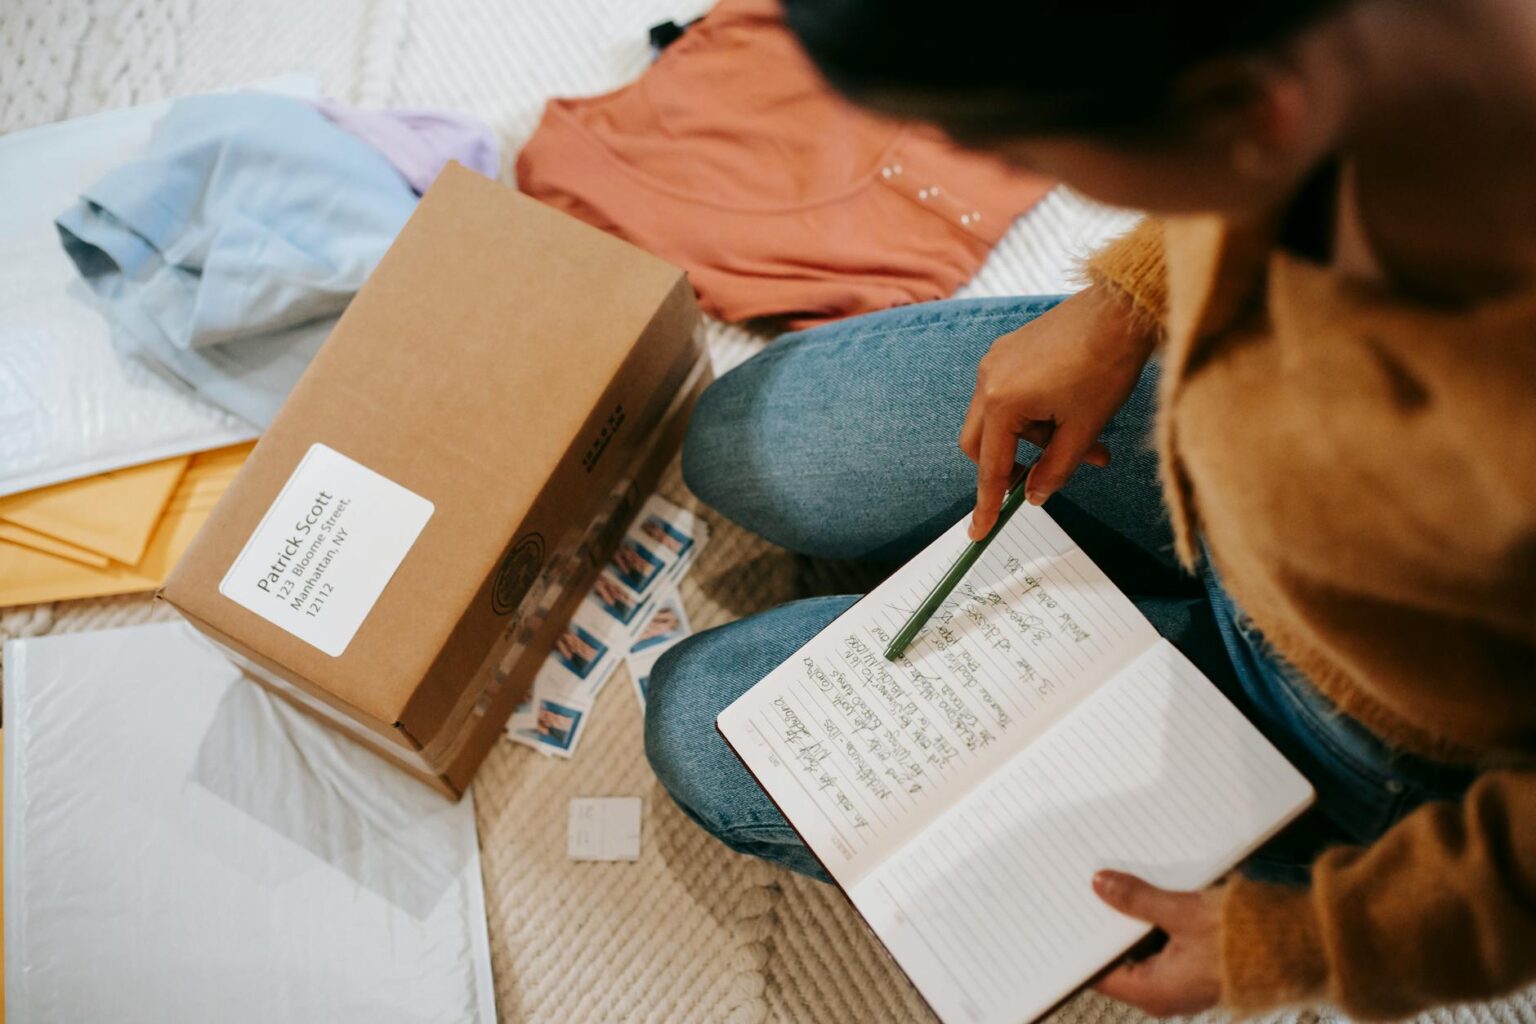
pixel 182 846
pixel 71 405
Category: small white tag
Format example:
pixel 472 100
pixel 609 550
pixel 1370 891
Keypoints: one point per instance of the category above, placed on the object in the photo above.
pixel 604 828
pixel 320 557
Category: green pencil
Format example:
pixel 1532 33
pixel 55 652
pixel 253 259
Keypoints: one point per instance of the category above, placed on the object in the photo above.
pixel 952 578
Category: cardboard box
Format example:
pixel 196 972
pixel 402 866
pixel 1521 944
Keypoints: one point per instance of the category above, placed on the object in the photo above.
pixel 401 550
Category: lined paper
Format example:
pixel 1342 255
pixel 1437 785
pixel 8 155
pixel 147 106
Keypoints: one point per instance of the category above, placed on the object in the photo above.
pixel 861 753
pixel 1038 730
pixel 990 910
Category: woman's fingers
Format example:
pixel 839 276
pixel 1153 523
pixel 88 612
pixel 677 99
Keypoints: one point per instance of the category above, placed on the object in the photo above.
pixel 1140 983
pixel 1183 976
pixel 1070 444
pixel 1039 435
pixel 994 447
pixel 1097 455
pixel 970 430
pixel 1145 985
pixel 1143 900
pixel 994 469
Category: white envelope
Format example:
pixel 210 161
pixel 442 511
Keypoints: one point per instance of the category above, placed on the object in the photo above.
pixel 182 846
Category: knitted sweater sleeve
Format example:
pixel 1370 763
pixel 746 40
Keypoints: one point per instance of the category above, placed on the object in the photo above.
pixel 1441 909
pixel 1134 264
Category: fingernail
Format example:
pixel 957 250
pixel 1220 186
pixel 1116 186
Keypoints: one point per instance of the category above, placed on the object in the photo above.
pixel 1035 497
pixel 1103 882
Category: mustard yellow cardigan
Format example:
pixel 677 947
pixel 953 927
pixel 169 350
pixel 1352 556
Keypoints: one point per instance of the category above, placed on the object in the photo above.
pixel 1362 469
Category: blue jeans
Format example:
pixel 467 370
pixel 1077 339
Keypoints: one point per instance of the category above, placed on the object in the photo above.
pixel 840 442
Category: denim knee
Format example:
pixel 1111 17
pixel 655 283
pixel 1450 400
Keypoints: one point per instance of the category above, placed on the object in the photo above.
pixel 815 442
pixel 700 772
pixel 691 684
pixel 713 430
pixel 688 756
pixel 670 730
pixel 735 462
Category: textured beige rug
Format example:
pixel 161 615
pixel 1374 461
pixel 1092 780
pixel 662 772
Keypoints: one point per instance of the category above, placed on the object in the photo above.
pixel 691 932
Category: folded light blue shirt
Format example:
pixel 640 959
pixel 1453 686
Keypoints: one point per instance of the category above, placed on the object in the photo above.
pixel 224 254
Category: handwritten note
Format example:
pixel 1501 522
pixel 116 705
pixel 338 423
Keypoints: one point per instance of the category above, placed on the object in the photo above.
pixel 1037 730
pixel 872 750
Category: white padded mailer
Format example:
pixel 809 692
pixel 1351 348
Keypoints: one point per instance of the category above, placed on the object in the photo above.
pixel 70 405
pixel 182 847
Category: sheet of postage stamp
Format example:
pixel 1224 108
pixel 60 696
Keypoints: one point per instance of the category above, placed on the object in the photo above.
pixel 668 624
pixel 632 613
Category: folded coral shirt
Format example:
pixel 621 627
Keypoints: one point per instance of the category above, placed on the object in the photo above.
pixel 225 251
pixel 731 158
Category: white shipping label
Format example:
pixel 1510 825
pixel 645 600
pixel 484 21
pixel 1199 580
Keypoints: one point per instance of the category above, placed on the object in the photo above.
pixel 324 551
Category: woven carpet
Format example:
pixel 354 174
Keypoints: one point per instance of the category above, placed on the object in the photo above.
pixel 691 932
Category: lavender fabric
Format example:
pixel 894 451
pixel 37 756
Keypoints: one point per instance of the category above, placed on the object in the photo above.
pixel 419 143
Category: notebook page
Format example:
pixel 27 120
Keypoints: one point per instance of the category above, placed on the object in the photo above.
pixel 990 912
pixel 861 753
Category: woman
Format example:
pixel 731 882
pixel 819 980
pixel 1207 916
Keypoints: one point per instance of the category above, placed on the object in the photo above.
pixel 1339 526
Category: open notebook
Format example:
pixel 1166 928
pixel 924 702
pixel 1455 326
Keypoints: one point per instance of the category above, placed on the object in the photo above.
pixel 1037 730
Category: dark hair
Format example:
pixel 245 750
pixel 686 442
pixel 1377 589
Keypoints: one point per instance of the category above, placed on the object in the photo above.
pixel 990 68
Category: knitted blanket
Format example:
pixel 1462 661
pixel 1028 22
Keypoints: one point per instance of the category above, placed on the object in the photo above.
pixel 691 932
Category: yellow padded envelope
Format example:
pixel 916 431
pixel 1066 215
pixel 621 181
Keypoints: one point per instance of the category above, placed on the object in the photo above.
pixel 42 542
pixel 29 576
pixel 113 514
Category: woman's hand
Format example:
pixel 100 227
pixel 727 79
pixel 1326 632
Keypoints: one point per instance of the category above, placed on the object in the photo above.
pixel 1055 381
pixel 1185 975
